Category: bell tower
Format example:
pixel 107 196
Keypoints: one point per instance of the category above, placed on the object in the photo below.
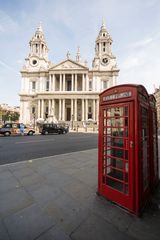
pixel 38 45
pixel 38 53
pixel 104 58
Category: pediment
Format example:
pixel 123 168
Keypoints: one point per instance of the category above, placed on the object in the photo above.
pixel 68 65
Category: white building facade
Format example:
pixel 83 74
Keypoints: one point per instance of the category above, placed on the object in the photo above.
pixel 68 91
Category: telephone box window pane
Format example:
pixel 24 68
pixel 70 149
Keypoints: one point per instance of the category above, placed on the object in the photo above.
pixel 109 143
pixel 126 154
pixel 126 111
pixel 116 163
pixel 115 184
pixel 109 131
pixel 117 111
pixel 115 173
pixel 119 122
pixel 115 152
pixel 105 131
pixel 126 122
pixel 115 122
pixel 120 132
pixel 126 189
pixel 126 166
pixel 118 142
pixel 126 177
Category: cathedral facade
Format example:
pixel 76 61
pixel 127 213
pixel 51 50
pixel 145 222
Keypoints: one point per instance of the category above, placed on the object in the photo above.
pixel 67 91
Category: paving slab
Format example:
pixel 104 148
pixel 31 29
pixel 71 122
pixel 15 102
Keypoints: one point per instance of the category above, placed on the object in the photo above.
pixel 96 228
pixel 3 232
pixel 13 201
pixel 28 223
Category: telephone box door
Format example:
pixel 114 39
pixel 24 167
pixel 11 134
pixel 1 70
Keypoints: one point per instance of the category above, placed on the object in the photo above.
pixel 116 153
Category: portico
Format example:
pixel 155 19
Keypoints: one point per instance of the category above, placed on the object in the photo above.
pixel 64 109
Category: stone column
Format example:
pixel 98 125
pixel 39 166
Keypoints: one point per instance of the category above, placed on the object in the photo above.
pixel 93 84
pixel 53 106
pixel 72 110
pixel 82 109
pixel 53 80
pixel 60 83
pixel 64 82
pixel 94 109
pixel 60 109
pixel 86 109
pixel 49 107
pixel 42 108
pixel 75 110
pixel 83 83
pixel 53 110
pixel 39 108
pixel 87 83
pixel 114 81
pixel 72 83
pixel 50 82
pixel 75 82
pixel 97 113
pixel 63 110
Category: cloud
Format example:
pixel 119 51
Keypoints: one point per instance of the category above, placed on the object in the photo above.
pixel 7 24
pixel 141 63
pixel 142 43
pixel 8 67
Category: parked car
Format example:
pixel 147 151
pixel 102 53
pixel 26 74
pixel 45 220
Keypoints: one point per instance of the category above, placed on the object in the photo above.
pixel 48 128
pixel 16 129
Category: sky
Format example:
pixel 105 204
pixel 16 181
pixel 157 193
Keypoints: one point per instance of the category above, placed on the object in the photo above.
pixel 134 26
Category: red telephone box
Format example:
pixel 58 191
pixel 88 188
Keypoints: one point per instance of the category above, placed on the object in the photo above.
pixel 123 158
pixel 154 179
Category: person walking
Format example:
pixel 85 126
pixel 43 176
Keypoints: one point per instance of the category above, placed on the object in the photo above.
pixel 21 129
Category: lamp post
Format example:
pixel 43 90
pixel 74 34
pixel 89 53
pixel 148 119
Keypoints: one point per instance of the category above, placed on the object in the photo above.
pixel 34 120
pixel 72 117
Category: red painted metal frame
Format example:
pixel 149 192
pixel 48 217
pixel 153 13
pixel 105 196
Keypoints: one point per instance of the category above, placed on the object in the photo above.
pixel 136 98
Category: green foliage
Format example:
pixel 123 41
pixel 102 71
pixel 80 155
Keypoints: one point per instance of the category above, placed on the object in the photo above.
pixel 10 116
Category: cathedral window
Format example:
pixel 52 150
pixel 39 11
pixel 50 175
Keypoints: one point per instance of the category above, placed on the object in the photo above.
pixel 46 109
pixel 69 85
pixel 105 84
pixel 36 48
pixel 33 110
pixel 90 85
pixel 47 86
pixel 104 44
pixel 103 34
pixel 104 49
pixel 89 113
pixel 33 86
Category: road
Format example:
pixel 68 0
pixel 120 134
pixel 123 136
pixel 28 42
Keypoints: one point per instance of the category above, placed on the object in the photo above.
pixel 20 148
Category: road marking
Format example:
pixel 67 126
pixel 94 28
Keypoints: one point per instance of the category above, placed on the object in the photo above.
pixel 47 140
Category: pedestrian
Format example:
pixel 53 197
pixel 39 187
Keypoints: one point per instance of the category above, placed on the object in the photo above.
pixel 21 129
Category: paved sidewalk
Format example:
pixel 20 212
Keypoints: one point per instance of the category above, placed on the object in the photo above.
pixel 54 198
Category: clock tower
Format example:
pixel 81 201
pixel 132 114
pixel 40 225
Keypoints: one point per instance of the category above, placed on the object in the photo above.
pixel 104 59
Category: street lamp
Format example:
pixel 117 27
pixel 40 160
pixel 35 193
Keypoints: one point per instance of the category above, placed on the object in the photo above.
pixel 72 117
pixel 34 120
